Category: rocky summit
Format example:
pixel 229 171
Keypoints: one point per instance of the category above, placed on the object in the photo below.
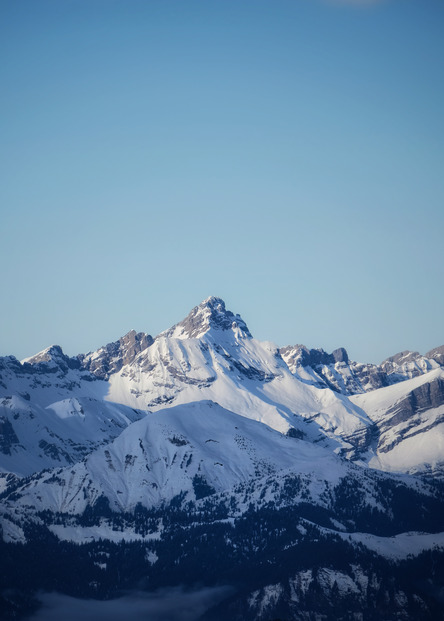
pixel 296 484
pixel 211 314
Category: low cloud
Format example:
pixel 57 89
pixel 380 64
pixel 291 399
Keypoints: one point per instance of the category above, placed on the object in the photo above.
pixel 173 604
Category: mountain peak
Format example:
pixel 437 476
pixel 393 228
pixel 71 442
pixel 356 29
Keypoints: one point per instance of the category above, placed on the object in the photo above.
pixel 437 354
pixel 209 314
pixel 112 357
pixel 53 358
pixel 50 354
pixel 46 355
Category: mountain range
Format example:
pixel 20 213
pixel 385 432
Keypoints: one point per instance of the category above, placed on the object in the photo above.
pixel 309 484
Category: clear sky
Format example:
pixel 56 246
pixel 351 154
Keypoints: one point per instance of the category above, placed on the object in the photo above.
pixel 285 155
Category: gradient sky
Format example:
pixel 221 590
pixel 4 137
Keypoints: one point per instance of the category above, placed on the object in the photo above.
pixel 285 155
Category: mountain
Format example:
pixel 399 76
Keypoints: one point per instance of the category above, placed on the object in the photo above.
pixel 309 484
pixel 178 451
pixel 437 354
pixel 52 412
pixel 112 357
pixel 222 362
pixel 410 421
pixel 342 375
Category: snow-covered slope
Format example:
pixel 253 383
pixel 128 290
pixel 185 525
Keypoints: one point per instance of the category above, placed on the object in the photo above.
pixel 52 413
pixel 56 409
pixel 211 355
pixel 48 377
pixel 64 432
pixel 194 450
pixel 410 421
pixel 338 372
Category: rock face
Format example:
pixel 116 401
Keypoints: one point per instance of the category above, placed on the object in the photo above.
pixel 112 357
pixel 337 372
pixel 437 354
pixel 8 437
pixel 425 397
pixel 51 360
pixel 210 314
pixel 406 365
pixel 406 416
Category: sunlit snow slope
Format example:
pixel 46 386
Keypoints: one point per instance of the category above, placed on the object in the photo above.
pixel 54 409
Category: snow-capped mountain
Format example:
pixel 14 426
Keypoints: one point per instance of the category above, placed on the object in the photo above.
pixel 211 355
pixel 205 432
pixel 55 410
pixel 178 451
pixel 338 372
pixel 409 418
pixel 112 357
pixel 52 413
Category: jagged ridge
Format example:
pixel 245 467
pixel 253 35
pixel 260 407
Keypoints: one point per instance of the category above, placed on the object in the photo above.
pixel 207 450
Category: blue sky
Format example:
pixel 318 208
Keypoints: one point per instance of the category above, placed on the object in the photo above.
pixel 285 155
